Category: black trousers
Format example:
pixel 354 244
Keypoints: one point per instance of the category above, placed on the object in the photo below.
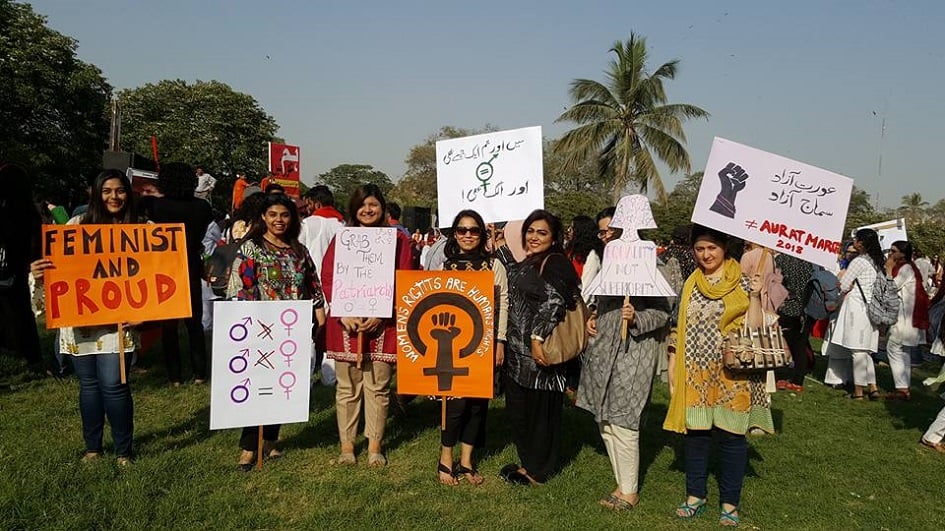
pixel 249 439
pixel 465 422
pixel 796 335
pixel 733 461
pixel 198 348
pixel 18 324
pixel 535 422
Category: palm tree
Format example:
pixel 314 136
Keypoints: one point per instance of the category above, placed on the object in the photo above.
pixel 913 206
pixel 625 122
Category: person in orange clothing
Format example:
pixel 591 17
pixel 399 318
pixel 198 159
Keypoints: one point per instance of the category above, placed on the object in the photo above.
pixel 239 188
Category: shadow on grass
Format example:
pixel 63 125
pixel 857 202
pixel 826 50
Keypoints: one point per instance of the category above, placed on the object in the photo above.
pixel 189 432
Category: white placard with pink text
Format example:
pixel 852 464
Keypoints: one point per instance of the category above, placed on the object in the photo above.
pixel 363 280
pixel 779 203
pixel 261 363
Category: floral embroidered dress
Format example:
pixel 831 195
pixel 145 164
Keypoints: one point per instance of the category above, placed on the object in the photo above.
pixel 714 396
pixel 269 273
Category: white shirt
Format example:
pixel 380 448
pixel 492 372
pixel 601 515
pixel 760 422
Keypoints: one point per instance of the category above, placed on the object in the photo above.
pixel 205 183
pixel 316 234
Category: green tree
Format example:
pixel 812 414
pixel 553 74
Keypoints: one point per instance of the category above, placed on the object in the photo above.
pixel 418 185
pixel 913 207
pixel 861 212
pixel 572 191
pixel 627 121
pixel 677 209
pixel 206 123
pixel 344 178
pixel 52 104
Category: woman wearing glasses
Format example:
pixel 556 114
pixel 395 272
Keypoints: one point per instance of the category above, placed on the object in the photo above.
pixel 466 417
pixel 913 320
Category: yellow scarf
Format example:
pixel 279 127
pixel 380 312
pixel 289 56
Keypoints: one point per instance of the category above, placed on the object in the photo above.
pixel 735 301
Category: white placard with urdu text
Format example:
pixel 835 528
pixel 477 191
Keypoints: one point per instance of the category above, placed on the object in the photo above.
pixel 779 203
pixel 496 174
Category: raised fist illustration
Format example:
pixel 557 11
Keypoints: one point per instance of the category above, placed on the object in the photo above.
pixel 732 177
pixel 444 328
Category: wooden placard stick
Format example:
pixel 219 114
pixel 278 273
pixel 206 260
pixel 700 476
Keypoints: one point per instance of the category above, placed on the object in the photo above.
pixel 121 354
pixel 360 349
pixel 624 325
pixel 259 448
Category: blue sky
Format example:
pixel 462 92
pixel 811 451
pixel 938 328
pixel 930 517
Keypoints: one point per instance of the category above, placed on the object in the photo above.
pixel 362 82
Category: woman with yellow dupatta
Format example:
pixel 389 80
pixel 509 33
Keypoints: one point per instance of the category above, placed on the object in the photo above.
pixel 706 398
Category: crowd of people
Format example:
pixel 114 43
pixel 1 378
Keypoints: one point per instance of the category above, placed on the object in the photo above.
pixel 283 249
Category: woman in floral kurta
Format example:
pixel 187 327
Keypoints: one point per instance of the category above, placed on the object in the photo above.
pixel 271 265
pixel 708 399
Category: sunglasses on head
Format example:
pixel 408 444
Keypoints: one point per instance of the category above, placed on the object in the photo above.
pixel 472 231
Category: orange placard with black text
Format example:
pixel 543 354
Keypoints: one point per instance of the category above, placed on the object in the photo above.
pixel 118 273
pixel 445 335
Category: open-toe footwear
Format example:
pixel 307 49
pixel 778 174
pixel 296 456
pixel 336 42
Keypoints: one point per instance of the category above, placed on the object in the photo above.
pixel 899 394
pixel 469 474
pixel 247 460
pixel 376 460
pixel 443 469
pixel 938 447
pixel 508 470
pixel 874 395
pixel 687 510
pixel 123 461
pixel 616 503
pixel 271 451
pixel 88 457
pixel 728 518
pixel 347 458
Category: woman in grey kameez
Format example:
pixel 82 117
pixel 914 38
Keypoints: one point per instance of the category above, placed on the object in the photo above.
pixel 616 379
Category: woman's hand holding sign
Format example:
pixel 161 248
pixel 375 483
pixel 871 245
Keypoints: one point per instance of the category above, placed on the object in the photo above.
pixel 37 268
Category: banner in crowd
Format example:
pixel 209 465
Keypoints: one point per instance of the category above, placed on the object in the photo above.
pixel 779 203
pixel 109 274
pixel 261 367
pixel 445 344
pixel 285 166
pixel 889 232
pixel 629 264
pixel 143 182
pixel 496 174
pixel 363 276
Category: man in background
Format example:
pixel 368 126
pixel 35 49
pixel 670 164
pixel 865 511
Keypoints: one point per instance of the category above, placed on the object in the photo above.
pixel 205 184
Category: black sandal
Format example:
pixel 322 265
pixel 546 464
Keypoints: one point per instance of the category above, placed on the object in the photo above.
pixel 874 395
pixel 443 469
pixel 470 474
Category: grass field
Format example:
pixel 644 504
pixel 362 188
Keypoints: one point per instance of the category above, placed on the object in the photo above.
pixel 834 463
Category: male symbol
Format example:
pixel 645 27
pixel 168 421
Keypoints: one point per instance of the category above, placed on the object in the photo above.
pixel 445 333
pixel 732 178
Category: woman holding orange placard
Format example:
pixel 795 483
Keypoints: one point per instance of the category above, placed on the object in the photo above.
pixel 465 418
pixel 95 349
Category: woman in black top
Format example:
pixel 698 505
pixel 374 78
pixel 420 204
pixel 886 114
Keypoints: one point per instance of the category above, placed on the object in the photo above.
pixel 541 289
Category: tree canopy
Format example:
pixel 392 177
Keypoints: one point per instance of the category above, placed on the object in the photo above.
pixel 206 123
pixel 344 178
pixel 52 105
pixel 627 124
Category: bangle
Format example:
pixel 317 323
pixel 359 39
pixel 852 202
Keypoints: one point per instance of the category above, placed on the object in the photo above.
pixel 538 338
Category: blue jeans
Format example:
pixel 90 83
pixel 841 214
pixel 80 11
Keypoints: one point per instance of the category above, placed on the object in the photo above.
pixel 733 460
pixel 102 394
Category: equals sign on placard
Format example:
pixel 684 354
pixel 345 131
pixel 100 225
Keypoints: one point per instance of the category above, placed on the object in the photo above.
pixel 265 391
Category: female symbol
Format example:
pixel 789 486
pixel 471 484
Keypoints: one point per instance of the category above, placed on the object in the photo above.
pixel 236 359
pixel 289 325
pixel 288 355
pixel 287 386
pixel 239 394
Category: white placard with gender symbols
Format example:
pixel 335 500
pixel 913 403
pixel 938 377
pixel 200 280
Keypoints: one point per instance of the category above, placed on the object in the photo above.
pixel 779 203
pixel 498 174
pixel 363 280
pixel 261 363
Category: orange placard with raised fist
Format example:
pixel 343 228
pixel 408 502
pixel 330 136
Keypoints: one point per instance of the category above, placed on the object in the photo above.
pixel 445 333
pixel 118 273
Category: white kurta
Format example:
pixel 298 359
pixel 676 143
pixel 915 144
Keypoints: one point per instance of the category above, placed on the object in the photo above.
pixel 903 330
pixel 852 328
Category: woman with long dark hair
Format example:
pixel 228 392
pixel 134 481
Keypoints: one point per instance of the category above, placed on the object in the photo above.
pixel 909 328
pixel 94 349
pixel 541 289
pixel 366 383
pixel 852 334
pixel 272 265
pixel 585 249
pixel 466 417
